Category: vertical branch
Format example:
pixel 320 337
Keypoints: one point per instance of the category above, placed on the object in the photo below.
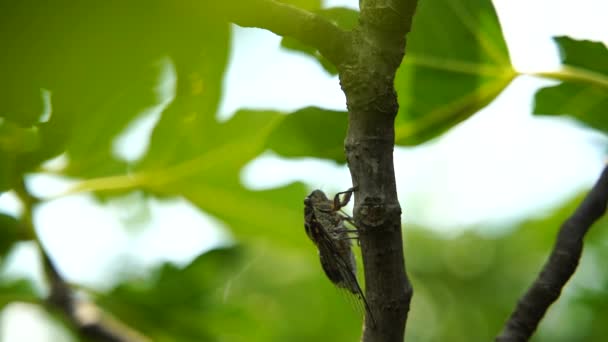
pixel 559 268
pixel 367 80
pixel 367 59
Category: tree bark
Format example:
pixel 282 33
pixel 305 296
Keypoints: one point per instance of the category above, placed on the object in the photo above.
pixel 367 80
pixel 367 59
pixel 560 266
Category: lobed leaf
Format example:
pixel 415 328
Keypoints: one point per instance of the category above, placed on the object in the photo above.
pixel 583 92
pixel 456 63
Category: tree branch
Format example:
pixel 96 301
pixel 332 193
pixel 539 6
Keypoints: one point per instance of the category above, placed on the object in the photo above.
pixel 367 79
pixel 367 59
pixel 287 20
pixel 559 268
pixel 92 325
pixel 61 297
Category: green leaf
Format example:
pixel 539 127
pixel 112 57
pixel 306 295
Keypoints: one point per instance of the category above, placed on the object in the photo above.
pixel 16 291
pixel 203 162
pixel 284 296
pixel 193 155
pixel 226 294
pixel 16 139
pixel 273 215
pixel 584 54
pixel 304 4
pixel 100 64
pixel 7 171
pixel 176 304
pixel 311 131
pixel 10 232
pixel 583 92
pixel 456 63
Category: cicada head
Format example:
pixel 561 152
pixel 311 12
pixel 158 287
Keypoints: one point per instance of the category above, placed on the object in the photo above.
pixel 317 199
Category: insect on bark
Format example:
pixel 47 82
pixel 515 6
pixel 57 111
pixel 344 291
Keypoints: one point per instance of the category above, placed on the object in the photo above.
pixel 324 224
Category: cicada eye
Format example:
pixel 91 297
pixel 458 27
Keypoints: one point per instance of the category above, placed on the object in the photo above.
pixel 307 201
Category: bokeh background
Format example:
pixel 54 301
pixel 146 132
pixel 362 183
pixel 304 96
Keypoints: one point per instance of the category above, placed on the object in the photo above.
pixel 172 182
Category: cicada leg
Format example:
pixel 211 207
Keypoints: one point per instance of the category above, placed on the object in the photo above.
pixel 338 204
pixel 349 219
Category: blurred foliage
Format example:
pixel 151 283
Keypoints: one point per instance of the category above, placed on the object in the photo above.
pixel 304 4
pixel 300 135
pixel 466 286
pixel 99 61
pixel 262 293
pixel 16 290
pixel 76 75
pixel 190 293
pixel 584 90
pixel 11 232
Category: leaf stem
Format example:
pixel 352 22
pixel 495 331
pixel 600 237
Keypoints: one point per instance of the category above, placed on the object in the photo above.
pixel 574 74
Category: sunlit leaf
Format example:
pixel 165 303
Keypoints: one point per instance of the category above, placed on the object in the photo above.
pixel 456 63
pixel 583 93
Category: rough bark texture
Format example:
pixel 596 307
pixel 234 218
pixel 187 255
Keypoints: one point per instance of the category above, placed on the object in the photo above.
pixel 367 59
pixel 559 268
pixel 367 80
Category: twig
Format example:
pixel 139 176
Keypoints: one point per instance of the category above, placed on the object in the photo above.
pixel 61 298
pixel 287 20
pixel 559 268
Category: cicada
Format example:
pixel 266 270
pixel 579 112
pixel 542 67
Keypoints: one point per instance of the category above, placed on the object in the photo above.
pixel 324 224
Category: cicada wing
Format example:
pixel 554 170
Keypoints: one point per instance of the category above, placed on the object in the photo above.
pixel 339 266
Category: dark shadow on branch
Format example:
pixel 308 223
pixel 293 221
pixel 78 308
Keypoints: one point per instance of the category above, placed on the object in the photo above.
pixel 559 268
